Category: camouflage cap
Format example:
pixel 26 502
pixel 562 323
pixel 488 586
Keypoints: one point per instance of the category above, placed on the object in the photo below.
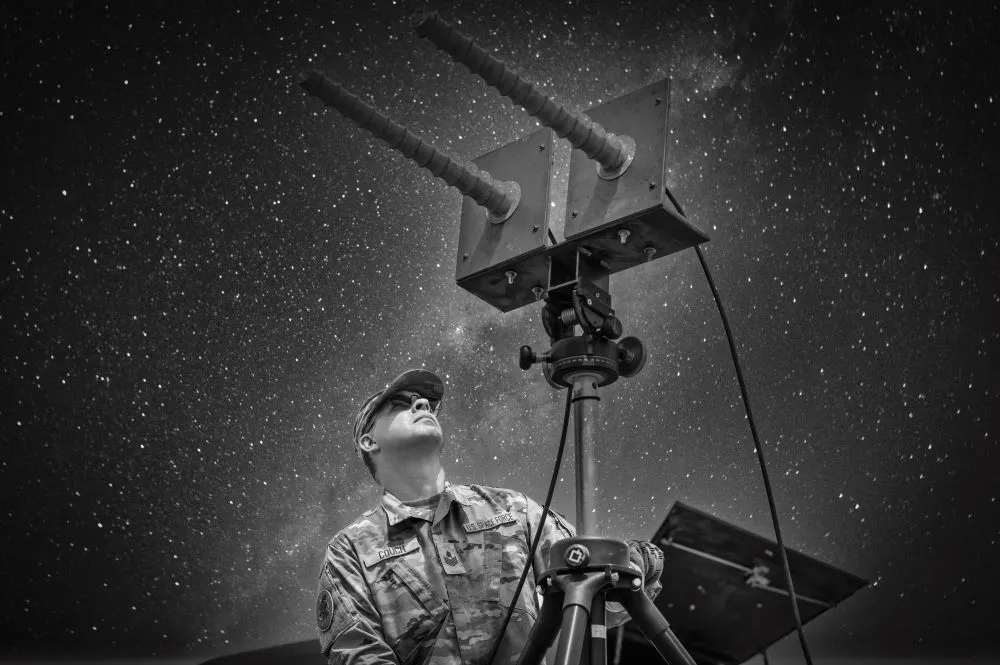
pixel 421 381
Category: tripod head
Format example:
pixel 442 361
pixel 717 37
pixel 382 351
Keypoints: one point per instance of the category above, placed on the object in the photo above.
pixel 583 300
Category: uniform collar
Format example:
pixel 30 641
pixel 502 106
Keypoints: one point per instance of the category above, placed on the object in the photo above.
pixel 396 511
pixel 457 492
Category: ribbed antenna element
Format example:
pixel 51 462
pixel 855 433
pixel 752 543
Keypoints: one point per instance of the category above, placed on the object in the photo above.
pixel 613 153
pixel 500 198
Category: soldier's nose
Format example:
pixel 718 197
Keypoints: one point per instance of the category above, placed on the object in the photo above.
pixel 420 404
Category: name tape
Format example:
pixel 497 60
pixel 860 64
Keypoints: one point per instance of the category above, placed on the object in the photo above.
pixel 482 525
pixel 390 552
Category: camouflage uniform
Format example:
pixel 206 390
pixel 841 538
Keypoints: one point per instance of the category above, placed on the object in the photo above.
pixel 420 584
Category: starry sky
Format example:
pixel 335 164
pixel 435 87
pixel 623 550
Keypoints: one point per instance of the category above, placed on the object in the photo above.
pixel 204 272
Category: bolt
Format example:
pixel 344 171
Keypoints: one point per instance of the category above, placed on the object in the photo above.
pixel 534 228
pixel 538 291
pixel 510 276
pixel 623 235
pixel 649 252
pixel 657 101
pixel 589 301
pixel 574 213
pixel 541 148
pixel 465 257
pixel 636 583
pixel 652 185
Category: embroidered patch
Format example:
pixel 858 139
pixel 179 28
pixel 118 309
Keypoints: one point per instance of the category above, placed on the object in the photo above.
pixel 482 525
pixel 324 610
pixel 390 552
pixel 449 559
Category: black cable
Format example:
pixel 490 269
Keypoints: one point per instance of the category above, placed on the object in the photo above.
pixel 758 447
pixel 541 523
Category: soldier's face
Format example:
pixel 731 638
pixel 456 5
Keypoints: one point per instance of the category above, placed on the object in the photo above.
pixel 406 421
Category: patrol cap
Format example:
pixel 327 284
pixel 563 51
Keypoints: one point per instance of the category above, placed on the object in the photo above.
pixel 425 383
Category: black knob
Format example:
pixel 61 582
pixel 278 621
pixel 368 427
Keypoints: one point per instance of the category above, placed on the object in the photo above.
pixel 631 356
pixel 527 357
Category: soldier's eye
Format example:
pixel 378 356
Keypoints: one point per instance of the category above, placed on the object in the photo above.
pixel 399 402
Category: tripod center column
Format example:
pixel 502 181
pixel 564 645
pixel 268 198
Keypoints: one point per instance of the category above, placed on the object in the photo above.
pixel 585 403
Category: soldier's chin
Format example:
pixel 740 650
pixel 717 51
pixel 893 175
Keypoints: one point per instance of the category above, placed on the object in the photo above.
pixel 428 441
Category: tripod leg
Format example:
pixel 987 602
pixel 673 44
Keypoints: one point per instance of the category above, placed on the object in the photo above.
pixel 655 628
pixel 574 631
pixel 581 592
pixel 543 633
pixel 619 640
pixel 598 632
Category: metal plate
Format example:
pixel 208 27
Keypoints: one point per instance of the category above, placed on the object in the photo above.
pixel 493 286
pixel 596 209
pixel 486 251
pixel 718 617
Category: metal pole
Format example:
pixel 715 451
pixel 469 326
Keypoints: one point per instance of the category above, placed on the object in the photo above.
pixel 585 402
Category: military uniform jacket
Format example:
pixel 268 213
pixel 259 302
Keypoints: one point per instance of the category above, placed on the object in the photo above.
pixel 431 584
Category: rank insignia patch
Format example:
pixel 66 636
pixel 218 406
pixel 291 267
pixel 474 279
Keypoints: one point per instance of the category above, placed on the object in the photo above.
pixel 449 558
pixel 324 610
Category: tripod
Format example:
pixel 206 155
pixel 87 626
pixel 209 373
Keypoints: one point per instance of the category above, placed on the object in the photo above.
pixel 587 571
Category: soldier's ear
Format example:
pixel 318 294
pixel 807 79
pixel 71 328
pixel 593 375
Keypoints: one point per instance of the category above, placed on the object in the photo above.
pixel 367 444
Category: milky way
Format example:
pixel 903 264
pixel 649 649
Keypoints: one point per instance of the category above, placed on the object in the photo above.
pixel 204 272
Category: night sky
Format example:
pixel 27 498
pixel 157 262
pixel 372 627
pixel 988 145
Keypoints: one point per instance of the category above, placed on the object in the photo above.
pixel 205 271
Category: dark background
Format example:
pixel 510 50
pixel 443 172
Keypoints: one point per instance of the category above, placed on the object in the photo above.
pixel 202 274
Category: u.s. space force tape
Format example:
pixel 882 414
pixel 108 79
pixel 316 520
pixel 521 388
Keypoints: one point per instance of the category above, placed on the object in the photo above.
pixel 496 520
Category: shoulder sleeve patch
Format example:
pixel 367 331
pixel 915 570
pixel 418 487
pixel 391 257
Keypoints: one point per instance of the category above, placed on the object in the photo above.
pixel 335 611
pixel 324 609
